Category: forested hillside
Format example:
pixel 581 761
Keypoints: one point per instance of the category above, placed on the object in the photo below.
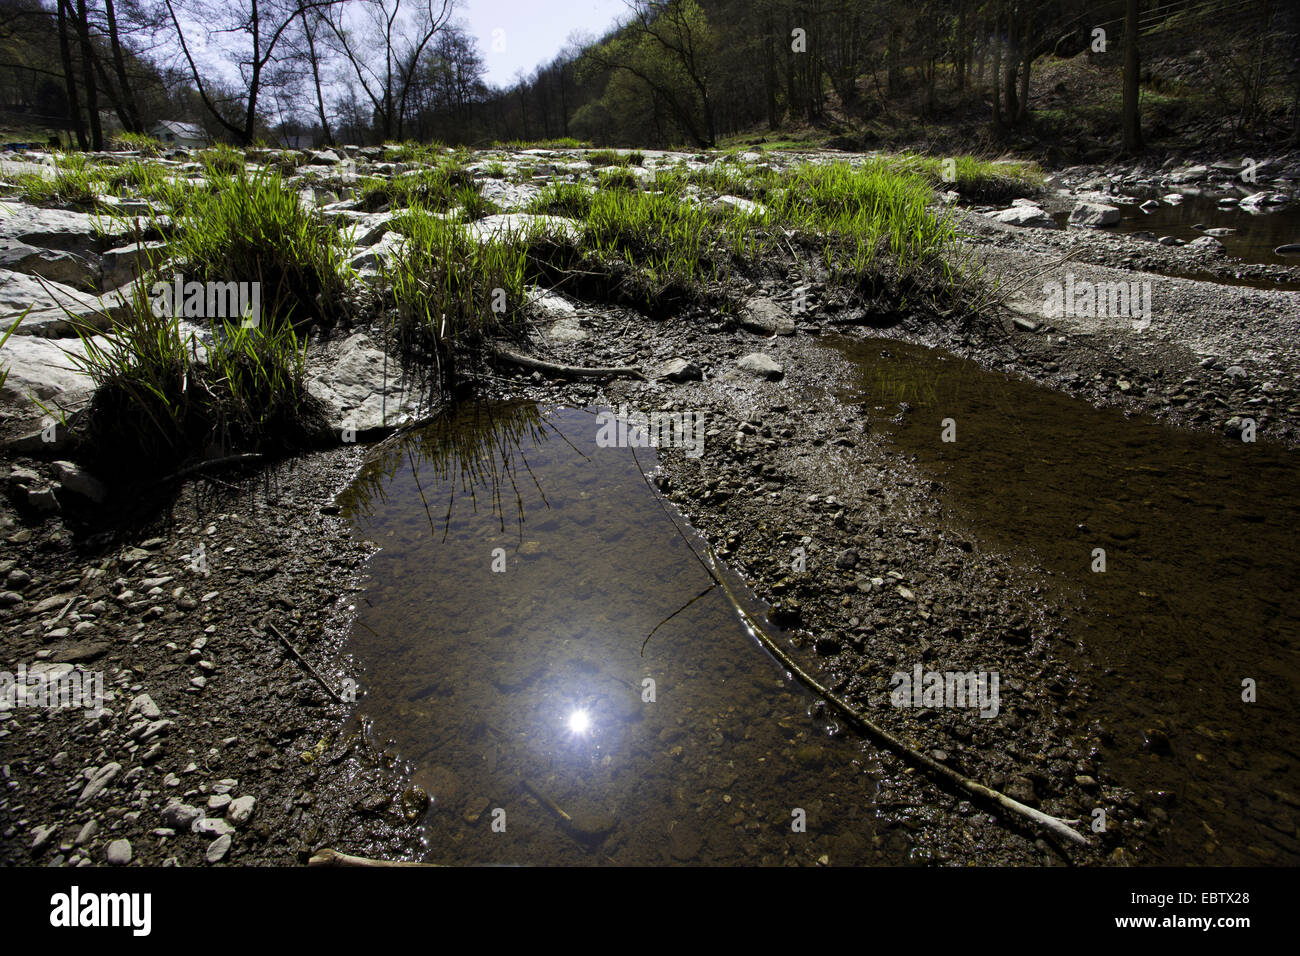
pixel 1053 76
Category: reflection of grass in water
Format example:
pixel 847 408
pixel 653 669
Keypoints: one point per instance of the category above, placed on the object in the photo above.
pixel 892 389
pixel 892 384
pixel 930 382
pixel 472 447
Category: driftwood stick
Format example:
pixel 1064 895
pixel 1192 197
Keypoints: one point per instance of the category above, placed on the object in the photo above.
pixel 301 660
pixel 976 789
pixel 213 463
pixel 713 567
pixel 328 857
pixel 564 371
pixel 545 800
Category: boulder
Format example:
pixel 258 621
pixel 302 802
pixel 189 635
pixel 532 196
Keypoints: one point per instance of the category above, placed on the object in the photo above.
pixel 43 369
pixel 54 310
pixel 1189 174
pixel 80 482
pixel 767 317
pixel 746 207
pixel 1031 216
pixel 562 322
pixel 61 229
pixel 124 264
pixel 67 268
pixel 514 223
pixel 761 365
pixel 1093 215
pixel 359 393
pixel 679 370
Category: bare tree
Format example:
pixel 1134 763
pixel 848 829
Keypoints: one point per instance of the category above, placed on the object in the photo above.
pixel 400 38
pixel 69 78
pixel 1132 116
pixel 266 24
pixel 307 48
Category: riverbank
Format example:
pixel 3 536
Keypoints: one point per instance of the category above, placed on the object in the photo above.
pixel 207 703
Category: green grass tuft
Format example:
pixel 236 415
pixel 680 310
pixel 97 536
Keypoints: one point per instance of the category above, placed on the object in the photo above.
pixel 254 229
pixel 161 399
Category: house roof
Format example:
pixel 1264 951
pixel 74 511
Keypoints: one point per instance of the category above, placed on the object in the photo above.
pixel 177 128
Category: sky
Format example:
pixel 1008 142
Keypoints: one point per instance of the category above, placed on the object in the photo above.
pixel 534 30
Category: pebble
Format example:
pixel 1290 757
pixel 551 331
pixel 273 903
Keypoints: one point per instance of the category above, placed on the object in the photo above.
pixel 218 849
pixel 241 810
pixel 119 852
pixel 101 779
pixel 145 707
pixel 760 365
pixel 212 826
pixel 180 816
pixel 42 836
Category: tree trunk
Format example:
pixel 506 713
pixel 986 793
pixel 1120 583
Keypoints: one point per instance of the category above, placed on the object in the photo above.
pixel 1009 73
pixel 769 70
pixel 1022 108
pixel 88 77
pixel 997 75
pixel 328 137
pixel 961 51
pixel 893 79
pixel 1132 120
pixel 791 94
pixel 131 120
pixel 69 78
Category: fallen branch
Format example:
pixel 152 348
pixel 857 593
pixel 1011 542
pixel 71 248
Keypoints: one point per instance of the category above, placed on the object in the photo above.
pixel 564 371
pixel 976 789
pixel 301 660
pixel 545 800
pixel 213 463
pixel 328 857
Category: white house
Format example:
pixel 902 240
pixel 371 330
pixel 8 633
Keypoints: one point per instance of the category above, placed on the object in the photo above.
pixel 176 133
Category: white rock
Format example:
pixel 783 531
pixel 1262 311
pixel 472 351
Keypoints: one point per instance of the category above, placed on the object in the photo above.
pixel 143 705
pixel 80 482
pixel 744 206
pixel 211 826
pixel 761 365
pixel 241 810
pixel 125 263
pixel 218 849
pixel 1031 216
pixel 60 229
pixel 44 369
pixel 180 816
pixel 516 223
pixel 58 266
pixel 102 778
pixel 358 393
pixel 119 853
pixel 1092 215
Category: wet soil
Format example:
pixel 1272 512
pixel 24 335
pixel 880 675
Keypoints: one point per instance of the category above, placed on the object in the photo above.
pixel 911 556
